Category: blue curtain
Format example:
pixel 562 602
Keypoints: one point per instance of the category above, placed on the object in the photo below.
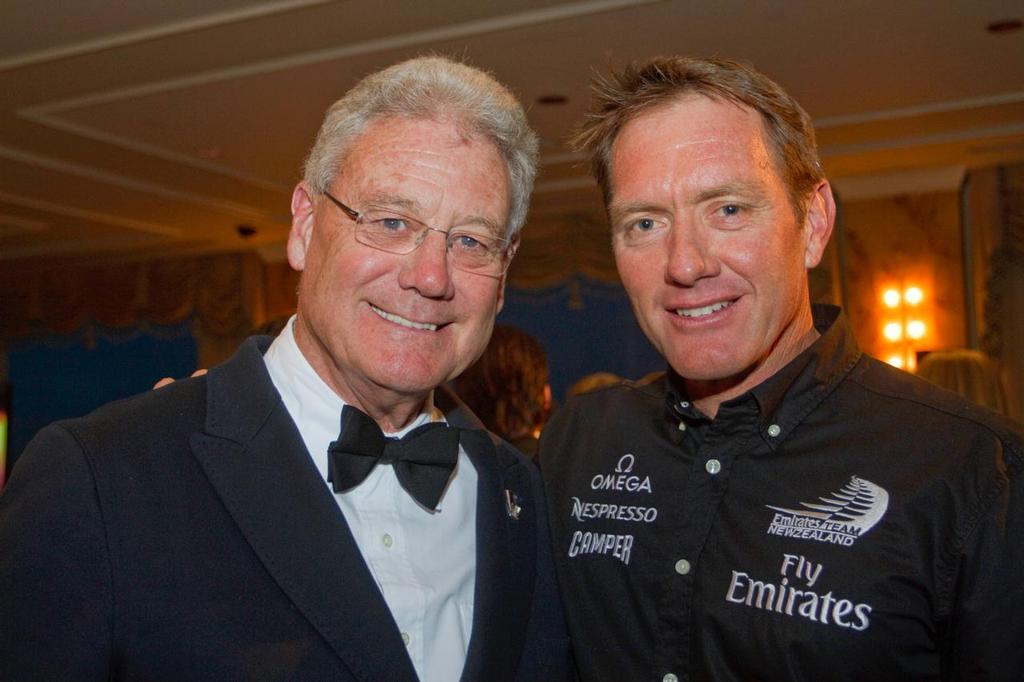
pixel 584 326
pixel 56 377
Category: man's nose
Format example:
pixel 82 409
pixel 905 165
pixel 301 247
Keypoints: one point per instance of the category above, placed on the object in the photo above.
pixel 689 255
pixel 427 269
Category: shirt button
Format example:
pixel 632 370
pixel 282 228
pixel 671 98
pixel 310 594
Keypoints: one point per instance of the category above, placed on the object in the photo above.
pixel 387 540
pixel 682 567
pixel 669 677
pixel 712 466
pixel 774 430
pixel 406 638
pixel 682 426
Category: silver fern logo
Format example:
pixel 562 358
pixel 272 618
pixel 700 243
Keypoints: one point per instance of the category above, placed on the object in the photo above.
pixel 838 518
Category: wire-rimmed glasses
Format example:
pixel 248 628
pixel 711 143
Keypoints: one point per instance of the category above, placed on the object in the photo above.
pixel 471 248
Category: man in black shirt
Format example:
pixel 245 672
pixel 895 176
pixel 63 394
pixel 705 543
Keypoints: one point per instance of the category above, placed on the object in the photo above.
pixel 778 506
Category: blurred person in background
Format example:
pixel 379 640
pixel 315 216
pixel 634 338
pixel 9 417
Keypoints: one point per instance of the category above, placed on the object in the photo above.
pixel 508 387
pixel 968 372
pixel 592 382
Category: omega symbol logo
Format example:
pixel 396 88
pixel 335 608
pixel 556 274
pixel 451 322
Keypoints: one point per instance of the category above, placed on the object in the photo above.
pixel 625 465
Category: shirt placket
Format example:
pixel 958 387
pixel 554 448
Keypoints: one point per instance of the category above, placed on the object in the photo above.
pixel 703 493
pixel 386 548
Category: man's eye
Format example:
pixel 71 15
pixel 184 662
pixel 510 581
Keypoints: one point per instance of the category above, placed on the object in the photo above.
pixel 392 224
pixel 469 242
pixel 644 227
pixel 731 210
pixel 636 231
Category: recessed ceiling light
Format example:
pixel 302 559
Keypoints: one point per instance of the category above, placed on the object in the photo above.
pixel 552 100
pixel 12 225
pixel 208 153
pixel 1004 26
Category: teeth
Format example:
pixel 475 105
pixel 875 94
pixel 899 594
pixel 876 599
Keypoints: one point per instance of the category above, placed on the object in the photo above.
pixel 391 317
pixel 701 312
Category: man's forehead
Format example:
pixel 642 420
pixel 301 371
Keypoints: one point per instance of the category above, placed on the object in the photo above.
pixel 695 142
pixel 411 132
pixel 437 140
pixel 412 165
pixel 694 124
pixel 408 145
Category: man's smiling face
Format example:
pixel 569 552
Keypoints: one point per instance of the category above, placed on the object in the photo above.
pixel 708 243
pixel 385 327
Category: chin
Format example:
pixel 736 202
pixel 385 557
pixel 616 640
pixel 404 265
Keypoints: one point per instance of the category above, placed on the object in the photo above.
pixel 405 379
pixel 697 368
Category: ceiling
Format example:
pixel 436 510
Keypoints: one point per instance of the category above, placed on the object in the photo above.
pixel 154 129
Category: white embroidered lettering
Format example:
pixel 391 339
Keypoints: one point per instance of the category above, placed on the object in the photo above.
pixel 782 598
pixel 587 511
pixel 621 482
pixel 619 546
pixel 625 464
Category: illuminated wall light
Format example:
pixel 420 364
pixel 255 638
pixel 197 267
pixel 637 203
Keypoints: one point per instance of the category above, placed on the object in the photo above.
pixel 893 331
pixel 905 334
pixel 916 329
pixel 891 298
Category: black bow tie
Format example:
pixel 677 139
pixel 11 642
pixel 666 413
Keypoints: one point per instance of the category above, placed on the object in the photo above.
pixel 423 458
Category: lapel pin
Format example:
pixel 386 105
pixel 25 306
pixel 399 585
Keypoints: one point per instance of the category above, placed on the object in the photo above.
pixel 512 505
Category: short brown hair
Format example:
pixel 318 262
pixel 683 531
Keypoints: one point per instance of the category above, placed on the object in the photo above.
pixel 505 387
pixel 640 87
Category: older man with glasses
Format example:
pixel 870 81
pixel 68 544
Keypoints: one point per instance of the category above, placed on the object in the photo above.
pixel 223 528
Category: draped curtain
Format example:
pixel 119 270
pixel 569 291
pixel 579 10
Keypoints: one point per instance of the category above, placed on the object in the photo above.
pixel 558 246
pixel 223 294
pixel 1003 338
pixel 584 326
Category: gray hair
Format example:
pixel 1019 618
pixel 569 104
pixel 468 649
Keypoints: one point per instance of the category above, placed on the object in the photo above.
pixel 434 88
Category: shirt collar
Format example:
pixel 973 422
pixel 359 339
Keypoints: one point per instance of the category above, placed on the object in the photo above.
pixel 789 396
pixel 785 398
pixel 308 397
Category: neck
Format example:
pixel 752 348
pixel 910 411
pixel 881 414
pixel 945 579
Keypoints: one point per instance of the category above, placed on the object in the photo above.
pixel 708 395
pixel 392 410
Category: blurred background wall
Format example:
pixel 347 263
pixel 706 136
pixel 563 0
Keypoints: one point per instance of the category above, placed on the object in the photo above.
pixel 147 156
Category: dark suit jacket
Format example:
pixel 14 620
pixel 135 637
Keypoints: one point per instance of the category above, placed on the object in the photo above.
pixel 185 534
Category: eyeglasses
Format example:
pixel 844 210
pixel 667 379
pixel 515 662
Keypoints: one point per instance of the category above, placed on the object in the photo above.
pixel 470 248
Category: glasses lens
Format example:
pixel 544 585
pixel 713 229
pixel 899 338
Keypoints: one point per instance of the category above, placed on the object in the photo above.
pixel 389 231
pixel 469 249
pixel 477 252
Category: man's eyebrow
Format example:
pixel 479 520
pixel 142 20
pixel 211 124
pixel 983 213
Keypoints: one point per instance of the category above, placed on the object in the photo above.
pixel 744 189
pixel 732 188
pixel 411 206
pixel 618 210
pixel 491 225
pixel 393 201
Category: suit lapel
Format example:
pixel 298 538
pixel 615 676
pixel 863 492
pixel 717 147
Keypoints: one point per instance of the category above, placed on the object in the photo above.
pixel 255 459
pixel 505 554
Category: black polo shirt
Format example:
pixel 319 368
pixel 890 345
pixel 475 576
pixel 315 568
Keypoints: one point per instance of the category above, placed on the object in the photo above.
pixel 842 521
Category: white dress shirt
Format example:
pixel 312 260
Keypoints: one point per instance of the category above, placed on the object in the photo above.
pixel 423 561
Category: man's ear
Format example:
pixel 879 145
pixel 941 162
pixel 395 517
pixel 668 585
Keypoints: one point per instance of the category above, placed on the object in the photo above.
pixel 301 234
pixel 818 223
pixel 501 296
pixel 504 277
